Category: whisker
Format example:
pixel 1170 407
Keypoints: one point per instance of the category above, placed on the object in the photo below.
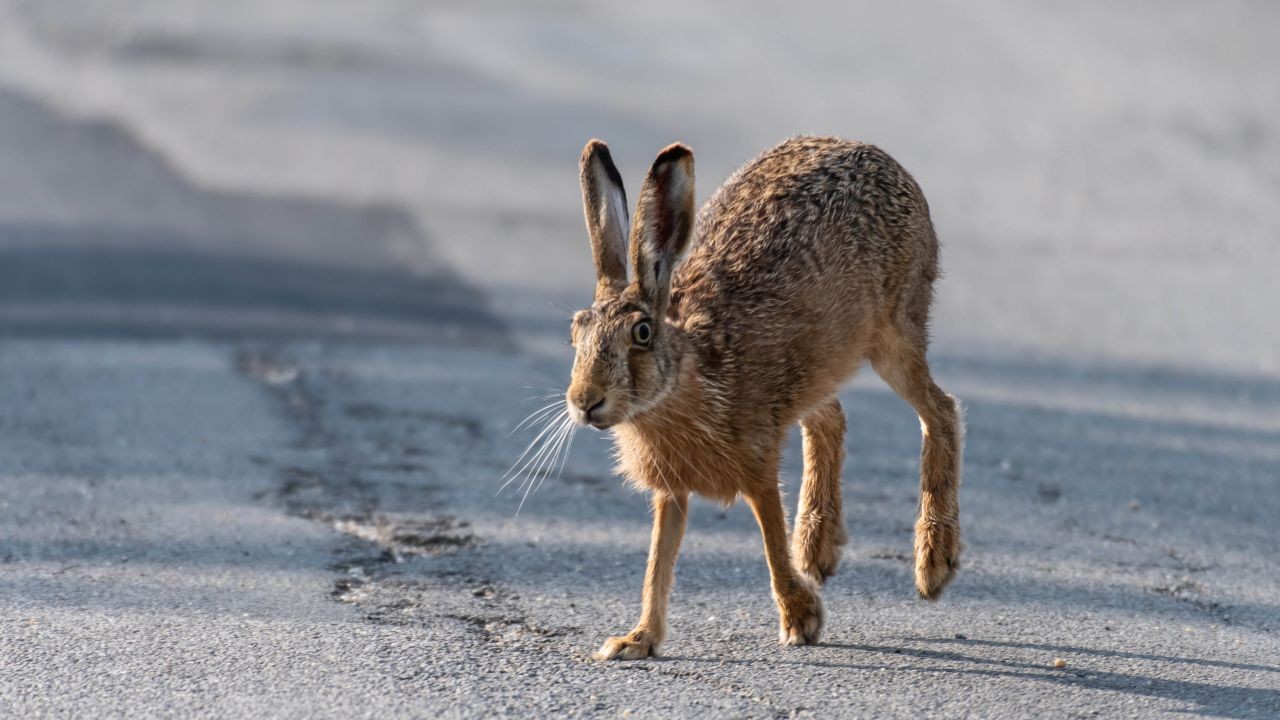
pixel 572 434
pixel 548 376
pixel 535 416
pixel 530 465
pixel 528 448
pixel 548 396
pixel 544 467
pixel 551 404
pixel 563 428
pixel 564 455
pixel 534 465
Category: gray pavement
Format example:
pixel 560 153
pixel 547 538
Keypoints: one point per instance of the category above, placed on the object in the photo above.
pixel 277 279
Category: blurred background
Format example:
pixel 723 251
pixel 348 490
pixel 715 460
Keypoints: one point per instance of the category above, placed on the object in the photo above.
pixel 1104 179
pixel 276 279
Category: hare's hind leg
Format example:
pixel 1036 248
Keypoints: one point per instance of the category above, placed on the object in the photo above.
pixel 819 529
pixel 900 360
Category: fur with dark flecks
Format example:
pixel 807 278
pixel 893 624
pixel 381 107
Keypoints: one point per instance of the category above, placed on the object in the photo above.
pixel 814 258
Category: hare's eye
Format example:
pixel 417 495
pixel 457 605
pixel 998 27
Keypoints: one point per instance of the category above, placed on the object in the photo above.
pixel 642 333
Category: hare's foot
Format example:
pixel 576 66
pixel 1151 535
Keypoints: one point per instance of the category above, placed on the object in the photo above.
pixel 937 555
pixel 635 645
pixel 816 546
pixel 800 613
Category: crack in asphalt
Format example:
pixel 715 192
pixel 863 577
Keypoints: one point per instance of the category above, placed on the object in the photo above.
pixel 379 541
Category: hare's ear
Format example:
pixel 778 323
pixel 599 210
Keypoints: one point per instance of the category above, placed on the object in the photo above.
pixel 605 205
pixel 664 223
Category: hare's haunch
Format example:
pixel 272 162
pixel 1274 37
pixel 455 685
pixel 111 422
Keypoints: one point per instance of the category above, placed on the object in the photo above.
pixel 812 259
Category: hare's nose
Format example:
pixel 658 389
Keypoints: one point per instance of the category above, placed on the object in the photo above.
pixel 586 404
pixel 593 409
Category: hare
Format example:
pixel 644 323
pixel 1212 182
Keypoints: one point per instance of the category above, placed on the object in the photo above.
pixel 812 258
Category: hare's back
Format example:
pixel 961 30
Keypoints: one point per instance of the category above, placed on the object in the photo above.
pixel 815 220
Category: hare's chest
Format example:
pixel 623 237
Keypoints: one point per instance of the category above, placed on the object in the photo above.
pixel 680 468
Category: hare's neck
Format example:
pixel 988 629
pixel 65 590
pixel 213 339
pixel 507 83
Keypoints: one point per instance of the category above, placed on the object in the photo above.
pixel 691 407
pixel 681 445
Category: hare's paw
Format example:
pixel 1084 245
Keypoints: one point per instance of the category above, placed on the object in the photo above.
pixel 636 645
pixel 800 614
pixel 937 556
pixel 817 546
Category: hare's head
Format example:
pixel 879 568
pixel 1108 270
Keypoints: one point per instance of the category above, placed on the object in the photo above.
pixel 627 351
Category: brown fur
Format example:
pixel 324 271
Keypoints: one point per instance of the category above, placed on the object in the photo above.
pixel 816 257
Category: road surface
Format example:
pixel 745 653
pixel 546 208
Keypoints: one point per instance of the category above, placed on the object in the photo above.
pixel 277 281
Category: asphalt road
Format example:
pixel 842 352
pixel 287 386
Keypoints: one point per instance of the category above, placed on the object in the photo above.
pixel 276 283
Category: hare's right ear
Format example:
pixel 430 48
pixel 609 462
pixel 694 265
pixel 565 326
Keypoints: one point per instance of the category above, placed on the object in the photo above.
pixel 605 205
pixel 664 223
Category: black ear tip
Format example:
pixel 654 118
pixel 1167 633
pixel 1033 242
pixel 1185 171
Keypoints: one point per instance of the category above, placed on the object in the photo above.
pixel 597 149
pixel 672 153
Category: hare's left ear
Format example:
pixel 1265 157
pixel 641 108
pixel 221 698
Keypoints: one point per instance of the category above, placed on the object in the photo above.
pixel 664 224
pixel 605 205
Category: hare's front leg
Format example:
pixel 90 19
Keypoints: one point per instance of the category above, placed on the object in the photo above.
pixel 669 515
pixel 799 607
pixel 819 530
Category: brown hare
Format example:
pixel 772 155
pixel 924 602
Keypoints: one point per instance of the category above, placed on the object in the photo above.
pixel 813 258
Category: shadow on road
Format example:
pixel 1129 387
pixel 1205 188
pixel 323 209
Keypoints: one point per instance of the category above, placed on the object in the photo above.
pixel 1211 699
pixel 100 236
pixel 1068 649
pixel 88 282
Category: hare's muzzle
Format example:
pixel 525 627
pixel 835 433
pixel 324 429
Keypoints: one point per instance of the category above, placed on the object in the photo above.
pixel 590 409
